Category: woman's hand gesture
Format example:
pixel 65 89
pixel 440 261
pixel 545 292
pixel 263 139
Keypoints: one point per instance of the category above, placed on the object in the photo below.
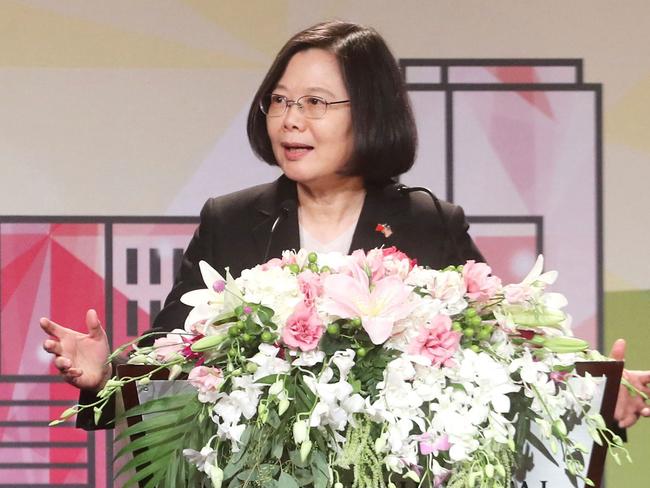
pixel 80 358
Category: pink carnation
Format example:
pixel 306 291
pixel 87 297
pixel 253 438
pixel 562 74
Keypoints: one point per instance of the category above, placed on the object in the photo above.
pixel 480 285
pixel 393 253
pixel 396 262
pixel 436 341
pixel 165 348
pixel 272 263
pixel 310 286
pixel 303 329
pixel 207 381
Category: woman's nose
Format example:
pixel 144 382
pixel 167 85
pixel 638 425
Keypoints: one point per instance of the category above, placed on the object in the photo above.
pixel 293 116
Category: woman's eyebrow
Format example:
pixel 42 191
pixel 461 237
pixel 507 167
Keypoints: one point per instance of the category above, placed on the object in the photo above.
pixel 309 90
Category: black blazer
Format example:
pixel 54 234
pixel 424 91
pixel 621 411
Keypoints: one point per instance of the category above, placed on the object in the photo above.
pixel 235 230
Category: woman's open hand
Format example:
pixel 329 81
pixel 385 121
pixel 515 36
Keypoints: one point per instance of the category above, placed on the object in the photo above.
pixel 80 358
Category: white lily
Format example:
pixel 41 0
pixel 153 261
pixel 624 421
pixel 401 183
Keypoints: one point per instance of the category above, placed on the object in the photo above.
pixel 220 295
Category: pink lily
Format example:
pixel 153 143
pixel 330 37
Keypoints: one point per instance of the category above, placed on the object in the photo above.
pixel 379 305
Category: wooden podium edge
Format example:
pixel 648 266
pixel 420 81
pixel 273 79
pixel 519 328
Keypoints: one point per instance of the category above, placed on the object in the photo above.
pixel 613 371
pixel 130 397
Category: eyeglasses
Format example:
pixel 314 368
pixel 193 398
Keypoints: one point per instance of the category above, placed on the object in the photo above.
pixel 312 107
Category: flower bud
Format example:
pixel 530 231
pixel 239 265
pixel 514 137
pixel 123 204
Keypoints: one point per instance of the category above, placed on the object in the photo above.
pixel 112 384
pixel 283 405
pixel 581 447
pixel 600 422
pixel 69 413
pixel 338 484
pixel 97 414
pixel 380 443
pixel 565 344
pixel 276 388
pixel 138 359
pixel 300 431
pixel 175 371
pixel 559 428
pixel 216 477
pixel 489 470
pixel 305 449
pixel 208 342
pixel 412 475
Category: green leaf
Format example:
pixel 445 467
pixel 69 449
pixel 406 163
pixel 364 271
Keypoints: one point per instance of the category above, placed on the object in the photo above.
pixel 294 456
pixel 273 419
pixel 265 314
pixel 268 380
pixel 330 344
pixel 157 469
pixel 153 438
pixel 239 459
pixel 319 469
pixel 235 483
pixel 249 475
pixel 303 476
pixel 243 441
pixel 287 481
pixel 161 420
pixel 277 450
pixel 252 327
pixel 159 405
pixel 148 456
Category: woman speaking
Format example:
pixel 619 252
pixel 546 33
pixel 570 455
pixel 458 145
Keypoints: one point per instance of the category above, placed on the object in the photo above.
pixel 333 113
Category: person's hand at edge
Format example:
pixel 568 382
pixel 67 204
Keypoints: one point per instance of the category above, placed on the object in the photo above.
pixel 630 407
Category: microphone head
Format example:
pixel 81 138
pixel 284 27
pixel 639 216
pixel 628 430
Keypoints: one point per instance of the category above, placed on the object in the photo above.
pixel 288 205
pixel 395 190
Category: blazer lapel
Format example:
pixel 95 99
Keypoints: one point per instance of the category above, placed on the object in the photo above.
pixel 381 206
pixel 269 208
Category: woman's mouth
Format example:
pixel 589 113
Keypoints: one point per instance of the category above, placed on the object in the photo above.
pixel 295 151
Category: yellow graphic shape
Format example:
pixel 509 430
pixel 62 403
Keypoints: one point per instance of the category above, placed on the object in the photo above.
pixel 627 122
pixel 38 37
pixel 261 24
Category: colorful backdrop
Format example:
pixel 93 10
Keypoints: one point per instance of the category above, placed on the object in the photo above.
pixel 118 119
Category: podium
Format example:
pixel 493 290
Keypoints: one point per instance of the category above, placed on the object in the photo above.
pixel 538 467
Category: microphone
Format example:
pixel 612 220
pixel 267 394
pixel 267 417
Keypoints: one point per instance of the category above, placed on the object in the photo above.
pixel 286 207
pixel 405 190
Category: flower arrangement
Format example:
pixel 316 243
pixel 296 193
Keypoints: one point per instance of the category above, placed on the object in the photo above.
pixel 363 370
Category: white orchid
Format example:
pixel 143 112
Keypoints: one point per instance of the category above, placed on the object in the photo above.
pixel 204 460
pixel 308 358
pixel 268 363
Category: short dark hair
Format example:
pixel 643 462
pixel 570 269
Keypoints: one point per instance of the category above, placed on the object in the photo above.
pixel 385 136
